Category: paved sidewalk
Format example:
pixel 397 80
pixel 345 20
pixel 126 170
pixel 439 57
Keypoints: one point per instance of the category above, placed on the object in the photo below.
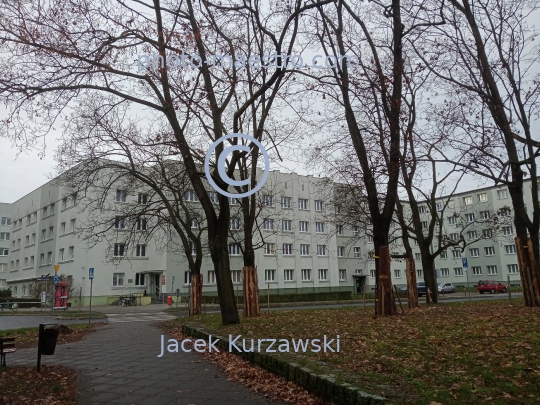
pixel 118 364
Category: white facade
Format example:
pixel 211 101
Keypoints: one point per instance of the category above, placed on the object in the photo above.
pixel 302 252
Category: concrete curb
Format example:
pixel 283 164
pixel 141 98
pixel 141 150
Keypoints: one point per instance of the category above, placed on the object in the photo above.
pixel 324 386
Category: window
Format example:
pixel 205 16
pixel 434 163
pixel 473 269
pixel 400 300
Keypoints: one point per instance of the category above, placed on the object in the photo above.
pixel 476 270
pixel 482 197
pixel 213 195
pixel 323 274
pixel 508 230
pixel 141 251
pixel 486 233
pixel 302 204
pixel 27 240
pixel 267 200
pixel 236 276
pixel 6 221
pixel 492 270
pixel 342 275
pixel 234 224
pixel 42 259
pixel 119 223
pixel 211 277
pixel 458 271
pixel 3 266
pixel 505 212
pixel 139 279
pixel 287 249
pixel 339 229
pixel 372 273
pixel 419 273
pixel 286 225
pixel 16 264
pixel 288 275
pixel 234 249
pixel 318 205
pixel 397 273
pixel 141 224
pixel 142 199
pixel 452 220
pixel 4 235
pixel 471 235
pixel 187 277
pixel 371 255
pixel 118 279
pixel 268 224
pixel 340 251
pixel 49 257
pixel 285 202
pixel 454 236
pixel 44 212
pixel 74 198
pixel 512 268
pixel 356 251
pixel 63 228
pixel 417 256
pixel 269 249
pixel 194 223
pixel 191 196
pixel 475 252
pixel 467 200
pixel 456 253
pixel 510 249
pixel 304 250
pixel 119 249
pixel 64 203
pixel 51 232
pixel 469 217
pixel 485 215
pixel 61 255
pixel 191 248
pixel 445 272
pixel 303 226
pixel 370 239
pixel 337 208
pixel 438 206
pixel 502 194
pixel 53 206
pixel 319 227
pixel 490 251
pixel 121 195
pixel 269 275
pixel 424 225
pixel 321 250
pixel 422 209
pixel 43 235
pixel 233 201
pixel 71 251
pixel 306 274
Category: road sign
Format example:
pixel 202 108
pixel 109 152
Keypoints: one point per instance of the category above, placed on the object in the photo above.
pixel 91 273
pixel 55 279
pixel 163 279
pixel 56 268
pixel 43 297
pixel 464 262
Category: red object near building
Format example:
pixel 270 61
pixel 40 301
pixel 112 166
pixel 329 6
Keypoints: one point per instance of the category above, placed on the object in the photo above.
pixel 169 300
pixel 61 295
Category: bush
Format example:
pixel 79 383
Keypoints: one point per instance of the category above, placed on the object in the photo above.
pixel 5 293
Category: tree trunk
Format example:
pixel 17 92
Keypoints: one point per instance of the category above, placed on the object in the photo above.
pixel 430 277
pixel 251 292
pixel 385 302
pixel 527 271
pixel 196 294
pixel 412 290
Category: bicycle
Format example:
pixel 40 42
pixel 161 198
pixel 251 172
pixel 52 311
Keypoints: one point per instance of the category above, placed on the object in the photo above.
pixel 8 305
pixel 128 301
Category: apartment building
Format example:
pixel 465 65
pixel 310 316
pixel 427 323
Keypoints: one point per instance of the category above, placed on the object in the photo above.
pixel 303 245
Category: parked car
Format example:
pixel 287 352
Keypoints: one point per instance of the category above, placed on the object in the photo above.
pixel 420 286
pixel 491 286
pixel 446 288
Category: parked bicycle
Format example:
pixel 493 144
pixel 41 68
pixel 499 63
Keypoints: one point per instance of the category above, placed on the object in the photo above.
pixel 128 301
pixel 8 305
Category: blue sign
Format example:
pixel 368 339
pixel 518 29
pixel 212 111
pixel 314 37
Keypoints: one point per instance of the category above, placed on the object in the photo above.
pixel 55 279
pixel 91 273
pixel 464 262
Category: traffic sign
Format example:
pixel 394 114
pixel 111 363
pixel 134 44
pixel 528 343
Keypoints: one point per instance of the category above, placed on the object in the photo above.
pixel 464 262
pixel 56 267
pixel 91 273
pixel 55 279
pixel 177 292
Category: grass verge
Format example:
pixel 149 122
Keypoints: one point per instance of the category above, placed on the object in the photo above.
pixel 455 353
pixel 57 314
pixel 28 337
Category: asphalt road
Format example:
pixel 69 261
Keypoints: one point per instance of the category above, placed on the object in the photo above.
pixel 29 321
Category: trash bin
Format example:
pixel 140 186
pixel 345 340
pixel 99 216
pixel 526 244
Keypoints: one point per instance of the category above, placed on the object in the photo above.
pixel 169 300
pixel 48 341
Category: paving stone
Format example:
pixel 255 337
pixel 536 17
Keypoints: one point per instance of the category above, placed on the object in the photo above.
pixel 128 352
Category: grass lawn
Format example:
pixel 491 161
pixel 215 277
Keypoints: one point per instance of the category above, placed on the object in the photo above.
pixel 455 353
pixel 28 337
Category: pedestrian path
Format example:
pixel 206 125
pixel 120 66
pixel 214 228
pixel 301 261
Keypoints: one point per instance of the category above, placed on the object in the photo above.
pixel 119 365
pixel 139 317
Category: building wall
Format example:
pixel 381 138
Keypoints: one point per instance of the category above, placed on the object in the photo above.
pixel 337 269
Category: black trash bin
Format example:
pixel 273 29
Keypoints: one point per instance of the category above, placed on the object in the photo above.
pixel 48 342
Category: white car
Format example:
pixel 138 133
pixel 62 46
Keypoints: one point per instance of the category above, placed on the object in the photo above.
pixel 446 288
